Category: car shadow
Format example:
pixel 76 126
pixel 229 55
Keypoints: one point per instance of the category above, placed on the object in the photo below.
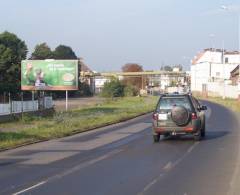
pixel 215 134
pixel 209 136
pixel 6 163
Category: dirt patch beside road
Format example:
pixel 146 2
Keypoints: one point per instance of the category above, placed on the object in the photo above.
pixel 77 103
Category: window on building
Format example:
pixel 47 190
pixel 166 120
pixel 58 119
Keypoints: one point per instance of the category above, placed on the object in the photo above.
pixel 226 60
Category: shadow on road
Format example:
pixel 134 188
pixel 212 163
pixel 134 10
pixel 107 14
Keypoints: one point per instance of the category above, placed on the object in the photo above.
pixel 209 136
pixel 215 134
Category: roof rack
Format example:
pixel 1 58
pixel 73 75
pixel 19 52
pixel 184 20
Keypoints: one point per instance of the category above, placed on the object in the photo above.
pixel 178 93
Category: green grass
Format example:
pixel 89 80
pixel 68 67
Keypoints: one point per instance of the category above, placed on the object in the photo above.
pixel 232 104
pixel 31 129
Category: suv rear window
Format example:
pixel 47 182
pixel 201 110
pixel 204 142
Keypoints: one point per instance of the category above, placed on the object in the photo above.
pixel 166 103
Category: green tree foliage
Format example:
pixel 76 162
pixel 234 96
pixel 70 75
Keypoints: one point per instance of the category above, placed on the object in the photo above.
pixel 112 89
pixel 64 52
pixel 179 66
pixel 41 52
pixel 84 90
pixel 115 88
pixel 12 52
pixel 166 68
pixel 130 90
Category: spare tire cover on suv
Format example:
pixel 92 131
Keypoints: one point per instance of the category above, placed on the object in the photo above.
pixel 180 115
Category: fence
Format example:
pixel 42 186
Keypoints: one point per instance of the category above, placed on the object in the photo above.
pixel 24 106
pixel 218 89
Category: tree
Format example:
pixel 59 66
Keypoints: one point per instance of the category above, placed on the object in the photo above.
pixel 132 67
pixel 41 52
pixel 112 89
pixel 12 51
pixel 64 52
pixel 179 66
pixel 130 90
pixel 167 68
pixel 137 82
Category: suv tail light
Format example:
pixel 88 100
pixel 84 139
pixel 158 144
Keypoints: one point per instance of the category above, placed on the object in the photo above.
pixel 155 116
pixel 194 116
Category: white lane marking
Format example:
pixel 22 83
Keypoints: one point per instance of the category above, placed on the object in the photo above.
pixel 192 147
pixel 30 188
pixel 169 166
pixel 149 185
pixel 84 165
pixel 72 170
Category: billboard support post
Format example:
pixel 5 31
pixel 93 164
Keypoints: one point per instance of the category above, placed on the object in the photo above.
pixel 43 99
pixel 22 105
pixel 33 100
pixel 66 100
pixel 4 97
pixel 10 102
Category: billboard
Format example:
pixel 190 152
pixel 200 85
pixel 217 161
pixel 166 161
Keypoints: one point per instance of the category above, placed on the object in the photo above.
pixel 49 75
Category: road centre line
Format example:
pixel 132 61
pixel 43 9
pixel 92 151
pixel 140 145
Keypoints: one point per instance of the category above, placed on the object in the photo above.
pixel 30 188
pixel 192 147
pixel 149 185
pixel 169 166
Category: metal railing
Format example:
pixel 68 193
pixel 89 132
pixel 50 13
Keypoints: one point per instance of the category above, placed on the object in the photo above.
pixel 25 106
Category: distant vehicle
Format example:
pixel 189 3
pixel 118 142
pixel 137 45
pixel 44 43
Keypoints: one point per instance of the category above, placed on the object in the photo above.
pixel 178 114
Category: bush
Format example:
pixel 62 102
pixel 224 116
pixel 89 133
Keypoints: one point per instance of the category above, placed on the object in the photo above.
pixel 112 89
pixel 130 91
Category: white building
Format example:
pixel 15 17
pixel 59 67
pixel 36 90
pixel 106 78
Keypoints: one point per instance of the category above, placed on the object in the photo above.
pixel 163 82
pixel 99 83
pixel 212 66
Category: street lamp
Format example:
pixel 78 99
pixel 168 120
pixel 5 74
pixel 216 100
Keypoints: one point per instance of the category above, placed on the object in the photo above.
pixel 227 8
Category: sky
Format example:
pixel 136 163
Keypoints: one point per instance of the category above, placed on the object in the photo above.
pixel 110 33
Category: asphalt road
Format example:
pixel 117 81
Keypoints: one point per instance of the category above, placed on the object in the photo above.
pixel 122 159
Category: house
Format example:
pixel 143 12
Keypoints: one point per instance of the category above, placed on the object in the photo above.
pixel 99 83
pixel 235 75
pixel 162 81
pixel 212 65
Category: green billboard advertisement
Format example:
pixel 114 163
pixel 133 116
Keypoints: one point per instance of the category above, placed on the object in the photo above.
pixel 49 75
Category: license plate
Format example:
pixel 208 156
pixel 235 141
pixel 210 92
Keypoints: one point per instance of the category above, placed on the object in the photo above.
pixel 162 117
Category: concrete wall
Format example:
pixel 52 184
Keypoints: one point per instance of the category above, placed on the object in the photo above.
pixel 218 89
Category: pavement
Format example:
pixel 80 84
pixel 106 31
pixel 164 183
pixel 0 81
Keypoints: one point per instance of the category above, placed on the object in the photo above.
pixel 122 159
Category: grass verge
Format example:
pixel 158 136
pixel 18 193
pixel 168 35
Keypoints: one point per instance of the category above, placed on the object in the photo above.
pixel 33 129
pixel 232 104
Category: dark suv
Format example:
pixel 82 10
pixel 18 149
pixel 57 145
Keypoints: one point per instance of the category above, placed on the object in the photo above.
pixel 178 114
